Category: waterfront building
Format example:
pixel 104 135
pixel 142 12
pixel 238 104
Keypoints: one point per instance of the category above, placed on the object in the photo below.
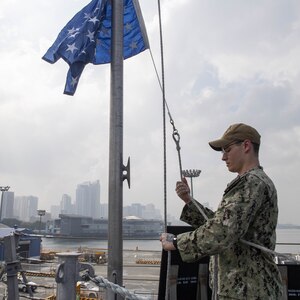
pixel 82 226
pixel 88 199
pixel 137 228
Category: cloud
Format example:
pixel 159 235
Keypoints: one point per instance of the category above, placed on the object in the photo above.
pixel 225 62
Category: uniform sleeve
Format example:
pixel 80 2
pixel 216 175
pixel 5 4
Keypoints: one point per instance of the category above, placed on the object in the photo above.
pixel 191 215
pixel 239 205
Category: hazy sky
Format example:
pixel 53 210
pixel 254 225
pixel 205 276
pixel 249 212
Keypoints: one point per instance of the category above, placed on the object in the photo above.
pixel 225 62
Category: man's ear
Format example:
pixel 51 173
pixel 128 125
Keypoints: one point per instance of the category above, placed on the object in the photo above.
pixel 247 145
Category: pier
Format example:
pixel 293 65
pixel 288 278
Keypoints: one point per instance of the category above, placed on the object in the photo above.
pixel 141 274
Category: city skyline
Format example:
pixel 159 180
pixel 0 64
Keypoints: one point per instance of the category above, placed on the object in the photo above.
pixel 28 208
pixel 221 67
pixel 86 203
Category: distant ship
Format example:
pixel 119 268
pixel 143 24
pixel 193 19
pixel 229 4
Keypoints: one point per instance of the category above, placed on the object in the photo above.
pixel 75 226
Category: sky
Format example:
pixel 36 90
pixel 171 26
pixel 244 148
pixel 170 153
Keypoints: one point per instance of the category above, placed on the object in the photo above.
pixel 225 62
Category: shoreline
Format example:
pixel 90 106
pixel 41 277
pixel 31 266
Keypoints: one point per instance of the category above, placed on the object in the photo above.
pixel 141 238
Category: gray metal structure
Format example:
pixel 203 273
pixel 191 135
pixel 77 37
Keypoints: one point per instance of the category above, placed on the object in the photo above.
pixel 115 188
pixel 68 273
pixel 12 266
pixel 2 189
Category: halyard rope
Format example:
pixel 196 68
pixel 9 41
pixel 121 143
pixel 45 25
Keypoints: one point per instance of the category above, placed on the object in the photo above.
pixel 165 147
pixel 104 283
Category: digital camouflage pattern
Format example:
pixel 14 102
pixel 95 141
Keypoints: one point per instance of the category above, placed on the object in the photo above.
pixel 247 211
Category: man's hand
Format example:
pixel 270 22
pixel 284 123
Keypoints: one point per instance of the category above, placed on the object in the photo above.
pixel 167 241
pixel 183 190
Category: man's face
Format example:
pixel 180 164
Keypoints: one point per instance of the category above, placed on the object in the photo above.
pixel 233 155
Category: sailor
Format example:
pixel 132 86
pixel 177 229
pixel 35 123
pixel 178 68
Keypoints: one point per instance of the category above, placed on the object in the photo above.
pixel 240 234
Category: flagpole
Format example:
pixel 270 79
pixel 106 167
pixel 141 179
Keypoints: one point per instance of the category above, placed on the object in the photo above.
pixel 115 197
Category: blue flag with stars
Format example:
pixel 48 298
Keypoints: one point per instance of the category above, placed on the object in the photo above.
pixel 87 38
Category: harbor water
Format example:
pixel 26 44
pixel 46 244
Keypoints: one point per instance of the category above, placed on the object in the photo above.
pixel 288 241
pixel 75 244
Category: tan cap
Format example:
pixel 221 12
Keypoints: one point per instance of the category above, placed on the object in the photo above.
pixel 236 132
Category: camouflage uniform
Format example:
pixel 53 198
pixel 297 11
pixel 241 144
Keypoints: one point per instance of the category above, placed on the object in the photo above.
pixel 247 211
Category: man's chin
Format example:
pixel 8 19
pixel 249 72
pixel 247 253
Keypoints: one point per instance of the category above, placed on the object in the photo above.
pixel 230 169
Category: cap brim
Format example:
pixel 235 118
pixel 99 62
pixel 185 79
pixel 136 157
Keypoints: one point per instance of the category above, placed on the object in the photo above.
pixel 218 144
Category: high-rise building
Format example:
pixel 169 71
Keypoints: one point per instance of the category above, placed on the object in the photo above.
pixel 55 211
pixel 104 210
pixel 66 206
pixel 8 205
pixel 25 207
pixel 136 209
pixel 150 212
pixel 88 199
pixel 139 210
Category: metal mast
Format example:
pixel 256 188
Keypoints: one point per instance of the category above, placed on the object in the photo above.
pixel 115 193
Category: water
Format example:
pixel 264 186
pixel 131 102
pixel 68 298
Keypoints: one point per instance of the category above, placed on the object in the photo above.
pixel 283 236
pixel 288 236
